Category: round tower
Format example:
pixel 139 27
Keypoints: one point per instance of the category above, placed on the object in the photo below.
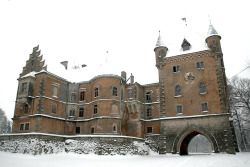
pixel 213 39
pixel 160 51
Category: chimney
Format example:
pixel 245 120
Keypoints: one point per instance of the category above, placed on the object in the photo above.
pixel 131 79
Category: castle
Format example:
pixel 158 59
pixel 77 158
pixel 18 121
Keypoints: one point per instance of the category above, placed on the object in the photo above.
pixel 189 99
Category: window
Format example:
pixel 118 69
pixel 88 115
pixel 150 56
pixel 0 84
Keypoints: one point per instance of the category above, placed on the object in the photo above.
pixel 176 69
pixel 200 65
pixel 204 107
pixel 114 91
pixel 26 108
pixel 78 130
pixel 92 130
pixel 95 109
pixel 114 128
pixel 130 93
pixel 148 97
pixel 24 87
pixel 178 90
pixel 96 92
pixel 55 91
pixel 21 127
pixel 72 113
pixel 73 96
pixel 27 126
pixel 53 108
pixel 149 113
pixel 81 112
pixel 149 129
pixel 179 109
pixel 203 89
pixel 82 96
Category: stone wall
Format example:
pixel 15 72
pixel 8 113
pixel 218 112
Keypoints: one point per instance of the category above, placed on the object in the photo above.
pixel 36 144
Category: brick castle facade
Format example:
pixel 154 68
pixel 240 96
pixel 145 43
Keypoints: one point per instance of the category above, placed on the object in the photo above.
pixel 189 99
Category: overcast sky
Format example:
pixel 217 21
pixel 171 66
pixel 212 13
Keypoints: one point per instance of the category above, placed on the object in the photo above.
pixel 84 31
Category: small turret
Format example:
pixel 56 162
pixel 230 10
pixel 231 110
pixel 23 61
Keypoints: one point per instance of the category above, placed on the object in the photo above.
pixel 213 39
pixel 160 50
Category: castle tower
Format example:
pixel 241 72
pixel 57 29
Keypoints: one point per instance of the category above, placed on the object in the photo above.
pixel 160 51
pixel 213 39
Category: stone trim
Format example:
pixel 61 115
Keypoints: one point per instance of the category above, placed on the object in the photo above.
pixel 185 57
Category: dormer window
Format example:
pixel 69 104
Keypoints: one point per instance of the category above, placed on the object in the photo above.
pixel 185 45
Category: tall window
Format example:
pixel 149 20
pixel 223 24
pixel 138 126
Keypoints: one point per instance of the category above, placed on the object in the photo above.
pixel 130 93
pixel 21 127
pixel 24 87
pixel 149 129
pixel 82 96
pixel 73 96
pixel 178 90
pixel 81 112
pixel 95 109
pixel 78 130
pixel 176 69
pixel 203 89
pixel 200 65
pixel 149 113
pixel 148 97
pixel 96 92
pixel 92 130
pixel 179 109
pixel 53 108
pixel 26 108
pixel 55 91
pixel 114 91
pixel 204 107
pixel 27 125
pixel 72 113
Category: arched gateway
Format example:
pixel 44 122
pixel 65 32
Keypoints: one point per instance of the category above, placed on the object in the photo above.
pixel 182 140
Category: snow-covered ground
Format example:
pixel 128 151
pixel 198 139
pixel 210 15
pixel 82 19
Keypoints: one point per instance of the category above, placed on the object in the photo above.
pixel 72 159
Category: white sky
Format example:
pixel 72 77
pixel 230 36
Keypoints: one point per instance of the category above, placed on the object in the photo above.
pixel 84 30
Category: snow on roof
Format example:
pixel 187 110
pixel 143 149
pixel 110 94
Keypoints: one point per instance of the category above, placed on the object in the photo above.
pixel 160 42
pixel 211 31
pixel 196 40
pixel 78 73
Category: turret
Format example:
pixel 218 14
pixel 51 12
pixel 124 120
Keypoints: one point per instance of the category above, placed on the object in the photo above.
pixel 160 51
pixel 213 39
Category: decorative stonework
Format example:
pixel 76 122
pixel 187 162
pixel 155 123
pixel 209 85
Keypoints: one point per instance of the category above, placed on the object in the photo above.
pixel 186 57
pixel 189 78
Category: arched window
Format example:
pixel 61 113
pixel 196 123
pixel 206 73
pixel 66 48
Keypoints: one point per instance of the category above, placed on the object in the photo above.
pixel 114 91
pixel 81 112
pixel 26 108
pixel 95 109
pixel 178 90
pixel 96 92
pixel 148 97
pixel 149 113
pixel 203 89
pixel 53 108
pixel 114 128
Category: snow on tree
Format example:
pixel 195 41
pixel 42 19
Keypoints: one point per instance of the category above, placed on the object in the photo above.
pixel 239 97
pixel 5 124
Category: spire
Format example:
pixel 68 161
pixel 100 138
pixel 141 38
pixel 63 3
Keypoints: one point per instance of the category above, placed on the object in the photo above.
pixel 212 31
pixel 160 42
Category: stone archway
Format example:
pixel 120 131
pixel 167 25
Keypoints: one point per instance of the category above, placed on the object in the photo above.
pixel 182 140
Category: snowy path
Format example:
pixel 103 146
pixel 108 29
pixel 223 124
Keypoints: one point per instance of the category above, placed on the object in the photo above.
pixel 70 159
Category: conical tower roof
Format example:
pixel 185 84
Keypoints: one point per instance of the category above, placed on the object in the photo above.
pixel 160 42
pixel 212 31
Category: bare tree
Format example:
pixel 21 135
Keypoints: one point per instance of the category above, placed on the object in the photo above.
pixel 5 124
pixel 239 96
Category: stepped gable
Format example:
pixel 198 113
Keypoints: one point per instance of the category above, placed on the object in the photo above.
pixel 35 62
